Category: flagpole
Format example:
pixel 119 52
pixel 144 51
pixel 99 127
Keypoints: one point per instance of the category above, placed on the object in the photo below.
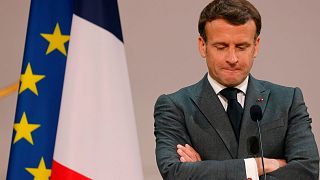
pixel 6 91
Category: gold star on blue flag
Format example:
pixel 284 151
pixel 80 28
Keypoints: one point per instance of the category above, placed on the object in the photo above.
pixel 56 40
pixel 41 172
pixel 24 129
pixel 42 75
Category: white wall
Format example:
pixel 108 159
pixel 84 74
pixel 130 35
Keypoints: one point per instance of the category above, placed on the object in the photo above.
pixel 160 39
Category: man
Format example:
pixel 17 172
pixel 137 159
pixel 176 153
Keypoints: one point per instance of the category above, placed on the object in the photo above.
pixel 204 131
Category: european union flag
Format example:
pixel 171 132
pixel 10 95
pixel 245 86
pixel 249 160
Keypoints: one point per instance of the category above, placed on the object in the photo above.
pixel 40 89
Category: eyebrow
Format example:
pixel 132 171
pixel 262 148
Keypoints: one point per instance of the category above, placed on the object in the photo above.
pixel 219 43
pixel 243 43
pixel 225 44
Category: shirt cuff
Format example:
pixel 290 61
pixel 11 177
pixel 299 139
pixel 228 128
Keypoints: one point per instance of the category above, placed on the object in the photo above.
pixel 251 169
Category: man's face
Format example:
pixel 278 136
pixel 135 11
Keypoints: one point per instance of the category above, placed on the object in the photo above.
pixel 229 50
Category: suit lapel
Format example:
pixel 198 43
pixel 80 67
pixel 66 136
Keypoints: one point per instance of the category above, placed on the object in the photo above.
pixel 209 104
pixel 256 95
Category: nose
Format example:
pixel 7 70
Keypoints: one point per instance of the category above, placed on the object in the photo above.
pixel 232 57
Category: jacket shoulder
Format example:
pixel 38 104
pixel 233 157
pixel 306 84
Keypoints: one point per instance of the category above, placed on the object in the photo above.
pixel 186 92
pixel 275 87
pixel 182 96
pixel 281 92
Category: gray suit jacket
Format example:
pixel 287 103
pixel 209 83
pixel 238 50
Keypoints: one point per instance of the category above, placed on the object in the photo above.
pixel 194 115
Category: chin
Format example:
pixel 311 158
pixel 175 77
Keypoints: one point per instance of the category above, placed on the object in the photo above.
pixel 232 82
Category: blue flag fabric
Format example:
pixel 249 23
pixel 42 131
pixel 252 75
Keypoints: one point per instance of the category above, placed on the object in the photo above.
pixel 41 83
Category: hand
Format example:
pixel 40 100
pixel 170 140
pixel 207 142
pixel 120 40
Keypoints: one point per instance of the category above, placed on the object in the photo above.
pixel 187 153
pixel 269 164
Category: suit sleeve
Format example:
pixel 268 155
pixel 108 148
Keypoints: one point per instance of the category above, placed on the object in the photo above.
pixel 301 151
pixel 170 130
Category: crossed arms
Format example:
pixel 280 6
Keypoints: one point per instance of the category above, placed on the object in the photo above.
pixel 188 154
pixel 300 159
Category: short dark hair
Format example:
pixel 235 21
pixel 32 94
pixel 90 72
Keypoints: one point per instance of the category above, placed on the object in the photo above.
pixel 236 12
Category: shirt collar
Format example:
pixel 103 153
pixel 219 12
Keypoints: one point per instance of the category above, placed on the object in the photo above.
pixel 217 87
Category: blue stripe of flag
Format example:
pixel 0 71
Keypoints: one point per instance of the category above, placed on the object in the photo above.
pixel 99 12
pixel 44 108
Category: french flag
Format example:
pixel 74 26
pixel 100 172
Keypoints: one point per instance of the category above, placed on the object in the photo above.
pixel 96 134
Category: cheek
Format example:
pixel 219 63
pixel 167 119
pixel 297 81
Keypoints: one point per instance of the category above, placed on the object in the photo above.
pixel 215 59
pixel 250 62
pixel 213 64
pixel 246 61
pixel 246 66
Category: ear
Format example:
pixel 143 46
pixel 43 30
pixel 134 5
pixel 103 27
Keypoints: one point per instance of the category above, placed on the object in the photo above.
pixel 256 47
pixel 202 47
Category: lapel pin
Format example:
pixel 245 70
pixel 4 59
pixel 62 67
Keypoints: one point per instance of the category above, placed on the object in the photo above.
pixel 260 99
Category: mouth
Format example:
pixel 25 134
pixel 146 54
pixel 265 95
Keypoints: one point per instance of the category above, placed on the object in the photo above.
pixel 231 70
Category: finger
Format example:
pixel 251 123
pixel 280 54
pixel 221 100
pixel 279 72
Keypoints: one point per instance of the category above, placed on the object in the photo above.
pixel 192 153
pixel 184 155
pixel 189 152
pixel 180 152
pixel 259 166
pixel 282 162
pixel 182 148
pixel 182 159
pixel 197 156
pixel 179 146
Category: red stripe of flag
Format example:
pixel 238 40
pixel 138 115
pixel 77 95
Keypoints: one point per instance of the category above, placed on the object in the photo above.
pixel 60 171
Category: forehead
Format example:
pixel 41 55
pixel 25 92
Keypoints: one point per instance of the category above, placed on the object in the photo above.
pixel 220 29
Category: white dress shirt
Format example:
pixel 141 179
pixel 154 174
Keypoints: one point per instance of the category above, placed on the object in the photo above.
pixel 250 163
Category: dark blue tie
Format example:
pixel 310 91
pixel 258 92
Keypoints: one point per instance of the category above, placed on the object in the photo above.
pixel 234 109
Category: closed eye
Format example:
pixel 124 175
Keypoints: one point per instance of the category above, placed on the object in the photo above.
pixel 220 47
pixel 243 47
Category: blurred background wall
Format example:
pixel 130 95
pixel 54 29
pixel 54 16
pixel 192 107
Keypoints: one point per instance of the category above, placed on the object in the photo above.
pixel 160 40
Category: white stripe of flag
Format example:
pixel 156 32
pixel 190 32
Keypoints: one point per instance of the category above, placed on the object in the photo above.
pixel 96 135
